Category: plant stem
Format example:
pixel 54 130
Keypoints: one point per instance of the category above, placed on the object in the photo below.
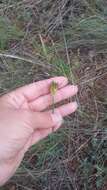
pixel 53 107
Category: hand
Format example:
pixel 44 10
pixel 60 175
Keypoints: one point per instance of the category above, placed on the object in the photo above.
pixel 23 121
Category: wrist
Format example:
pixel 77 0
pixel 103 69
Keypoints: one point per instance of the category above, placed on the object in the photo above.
pixel 7 170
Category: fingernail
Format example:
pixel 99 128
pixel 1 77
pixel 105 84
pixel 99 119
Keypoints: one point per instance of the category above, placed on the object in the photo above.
pixel 75 88
pixel 57 119
pixel 74 105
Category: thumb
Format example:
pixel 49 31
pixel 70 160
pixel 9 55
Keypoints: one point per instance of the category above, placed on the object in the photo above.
pixel 45 120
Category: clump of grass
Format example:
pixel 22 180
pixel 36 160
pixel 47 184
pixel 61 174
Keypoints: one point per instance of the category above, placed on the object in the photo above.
pixel 8 32
pixel 54 59
pixel 88 32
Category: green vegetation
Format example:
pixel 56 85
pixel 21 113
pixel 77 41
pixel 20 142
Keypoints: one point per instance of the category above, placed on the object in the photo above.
pixel 8 32
pixel 60 38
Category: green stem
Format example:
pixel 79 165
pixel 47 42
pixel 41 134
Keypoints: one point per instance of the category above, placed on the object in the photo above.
pixel 53 107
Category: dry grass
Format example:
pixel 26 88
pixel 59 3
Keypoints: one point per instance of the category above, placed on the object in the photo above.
pixel 75 43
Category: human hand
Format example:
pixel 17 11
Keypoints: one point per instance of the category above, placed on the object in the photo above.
pixel 23 121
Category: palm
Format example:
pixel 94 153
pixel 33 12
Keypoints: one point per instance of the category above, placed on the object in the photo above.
pixel 35 96
pixel 24 121
pixel 29 99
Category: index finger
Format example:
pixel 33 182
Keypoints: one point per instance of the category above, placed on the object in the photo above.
pixel 36 89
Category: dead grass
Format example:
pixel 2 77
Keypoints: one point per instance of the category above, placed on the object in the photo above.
pixel 74 39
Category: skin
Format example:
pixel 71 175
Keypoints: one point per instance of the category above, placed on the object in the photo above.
pixel 23 121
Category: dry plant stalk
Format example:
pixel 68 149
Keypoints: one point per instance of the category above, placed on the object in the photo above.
pixel 53 90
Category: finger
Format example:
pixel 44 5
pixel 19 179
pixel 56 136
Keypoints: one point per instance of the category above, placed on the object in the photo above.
pixel 62 111
pixel 36 89
pixel 43 102
pixel 45 120
pixel 41 134
pixel 67 109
